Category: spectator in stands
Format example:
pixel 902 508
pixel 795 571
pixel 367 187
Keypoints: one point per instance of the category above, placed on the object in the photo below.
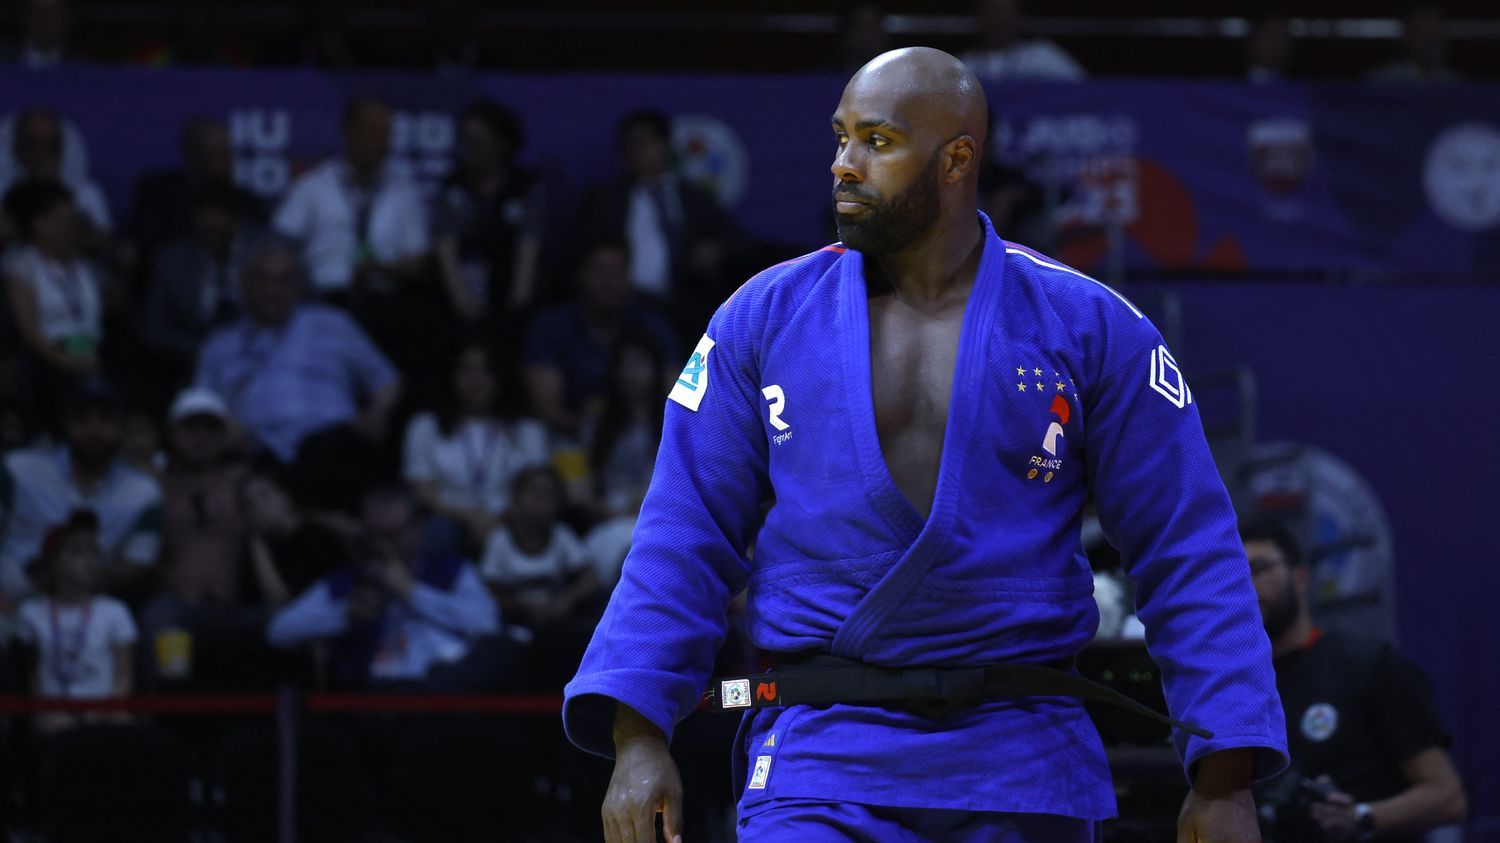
pixel 81 642
pixel 203 528
pixel 1270 48
pixel 455 49
pixel 538 570
pixel 568 347
pixel 1003 54
pixel 862 35
pixel 167 201
pixel 1359 716
pixel 44 35
pixel 40 487
pixel 627 429
pixel 37 144
pixel 1423 49
pixel 290 548
pixel 677 233
pixel 462 458
pixel 304 381
pixel 324 30
pixel 195 280
pixel 362 221
pixel 393 617
pixel 193 40
pixel 488 217
pixel 56 297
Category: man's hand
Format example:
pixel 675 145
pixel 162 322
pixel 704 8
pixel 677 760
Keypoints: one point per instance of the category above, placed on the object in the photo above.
pixel 391 573
pixel 365 604
pixel 1335 815
pixel 1219 808
pixel 645 783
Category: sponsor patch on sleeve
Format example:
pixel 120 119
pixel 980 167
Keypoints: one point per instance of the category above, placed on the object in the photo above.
pixel 1167 379
pixel 693 382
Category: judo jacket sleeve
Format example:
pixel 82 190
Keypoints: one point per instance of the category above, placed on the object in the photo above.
pixel 655 646
pixel 1163 505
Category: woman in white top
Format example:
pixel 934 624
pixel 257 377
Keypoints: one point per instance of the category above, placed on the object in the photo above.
pixel 54 294
pixel 84 642
pixel 534 563
pixel 462 459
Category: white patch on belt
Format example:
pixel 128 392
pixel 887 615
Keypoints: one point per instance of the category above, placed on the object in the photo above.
pixel 762 772
pixel 735 693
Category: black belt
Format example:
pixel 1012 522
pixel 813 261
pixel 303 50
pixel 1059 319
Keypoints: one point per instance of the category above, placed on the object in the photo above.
pixel 820 679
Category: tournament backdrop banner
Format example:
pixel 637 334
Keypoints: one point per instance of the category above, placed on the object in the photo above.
pixel 1195 176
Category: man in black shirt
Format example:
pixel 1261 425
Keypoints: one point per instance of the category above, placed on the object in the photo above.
pixel 1360 719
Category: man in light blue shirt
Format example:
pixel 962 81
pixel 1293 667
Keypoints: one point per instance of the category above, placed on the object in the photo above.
pixel 298 374
pixel 395 617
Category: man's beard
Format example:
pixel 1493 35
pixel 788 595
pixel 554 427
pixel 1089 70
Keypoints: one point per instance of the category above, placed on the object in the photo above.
pixel 1281 613
pixel 896 224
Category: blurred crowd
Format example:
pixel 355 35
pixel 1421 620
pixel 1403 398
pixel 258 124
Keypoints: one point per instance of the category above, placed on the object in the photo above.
pixel 1003 43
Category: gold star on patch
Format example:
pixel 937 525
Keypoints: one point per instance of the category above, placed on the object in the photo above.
pixel 1037 372
pixel 1021 386
pixel 1059 386
pixel 1038 387
pixel 1020 371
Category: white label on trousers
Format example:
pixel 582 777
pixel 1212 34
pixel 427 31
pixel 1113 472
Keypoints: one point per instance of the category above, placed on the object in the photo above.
pixel 762 772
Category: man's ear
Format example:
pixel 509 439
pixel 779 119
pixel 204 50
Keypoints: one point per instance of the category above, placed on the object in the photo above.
pixel 963 157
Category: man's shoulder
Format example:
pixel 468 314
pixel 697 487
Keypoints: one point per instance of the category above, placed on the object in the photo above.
pixel 1080 299
pixel 320 176
pixel 1352 650
pixel 790 281
pixel 136 486
pixel 32 465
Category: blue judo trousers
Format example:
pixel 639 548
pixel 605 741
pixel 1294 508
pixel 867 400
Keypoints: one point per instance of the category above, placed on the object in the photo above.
pixel 1062 388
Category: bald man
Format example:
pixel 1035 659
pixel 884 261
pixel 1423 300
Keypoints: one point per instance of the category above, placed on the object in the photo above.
pixel 924 408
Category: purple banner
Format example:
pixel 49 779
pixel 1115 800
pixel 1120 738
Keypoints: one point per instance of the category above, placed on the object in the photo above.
pixel 1193 176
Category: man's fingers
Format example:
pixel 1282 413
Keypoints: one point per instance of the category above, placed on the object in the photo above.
pixel 671 815
pixel 642 821
pixel 611 828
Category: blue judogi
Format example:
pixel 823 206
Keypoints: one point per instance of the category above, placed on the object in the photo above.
pixel 1061 385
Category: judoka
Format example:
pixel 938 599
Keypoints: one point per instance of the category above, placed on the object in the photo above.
pixel 924 408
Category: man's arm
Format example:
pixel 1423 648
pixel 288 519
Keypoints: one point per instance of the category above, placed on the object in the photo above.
pixel 1161 502
pixel 668 614
pixel 314 615
pixel 467 609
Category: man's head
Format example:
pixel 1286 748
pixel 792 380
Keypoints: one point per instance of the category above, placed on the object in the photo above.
pixel 207 153
pixel 489 136
pixel 93 426
pixel 1278 571
pixel 38 143
pixel 44 214
pixel 536 496
pixel 216 217
pixel 910 127
pixel 367 134
pixel 200 428
pixel 998 22
pixel 604 276
pixel 46 24
pixel 1424 33
pixel 1270 43
pixel 646 144
pixel 68 559
pixel 864 34
pixel 388 517
pixel 271 280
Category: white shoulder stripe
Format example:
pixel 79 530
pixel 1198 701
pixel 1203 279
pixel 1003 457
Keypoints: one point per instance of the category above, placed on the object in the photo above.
pixel 1039 262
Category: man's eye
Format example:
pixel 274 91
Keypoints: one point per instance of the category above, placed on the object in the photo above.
pixel 842 139
pixel 877 141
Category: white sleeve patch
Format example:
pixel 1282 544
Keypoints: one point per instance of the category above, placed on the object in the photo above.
pixel 1167 379
pixel 693 382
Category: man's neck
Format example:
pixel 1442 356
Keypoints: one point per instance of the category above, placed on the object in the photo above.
pixel 88 477
pixel 71 596
pixel 932 270
pixel 1294 638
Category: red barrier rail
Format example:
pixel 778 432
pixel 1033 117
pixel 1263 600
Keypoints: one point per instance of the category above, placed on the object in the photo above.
pixel 317 703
